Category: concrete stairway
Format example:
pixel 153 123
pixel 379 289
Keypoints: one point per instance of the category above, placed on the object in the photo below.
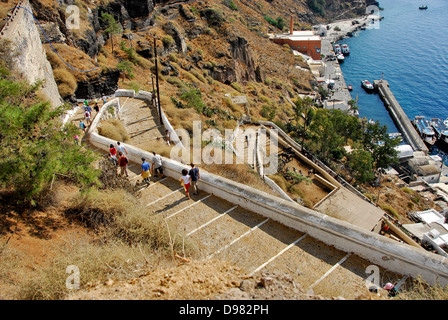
pixel 141 120
pixel 221 230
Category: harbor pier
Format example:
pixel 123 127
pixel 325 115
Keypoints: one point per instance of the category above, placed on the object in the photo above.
pixel 400 118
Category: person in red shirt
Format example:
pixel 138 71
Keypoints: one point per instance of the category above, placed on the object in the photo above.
pixel 113 154
pixel 123 162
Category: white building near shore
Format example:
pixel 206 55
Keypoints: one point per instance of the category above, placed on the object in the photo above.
pixel 431 230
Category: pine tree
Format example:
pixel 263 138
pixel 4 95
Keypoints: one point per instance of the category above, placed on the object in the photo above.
pixel 35 148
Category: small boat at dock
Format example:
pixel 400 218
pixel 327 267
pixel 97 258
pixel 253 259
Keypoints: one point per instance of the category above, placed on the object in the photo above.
pixel 345 49
pixel 441 129
pixel 367 85
pixel 350 87
pixel 337 48
pixel 396 135
pixel 425 130
pixel 340 57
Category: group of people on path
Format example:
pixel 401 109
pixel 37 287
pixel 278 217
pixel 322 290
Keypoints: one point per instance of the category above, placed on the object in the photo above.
pixel 87 109
pixel 118 157
pixel 189 179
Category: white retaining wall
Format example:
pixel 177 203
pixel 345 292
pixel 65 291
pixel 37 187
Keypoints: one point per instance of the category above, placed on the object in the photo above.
pixel 394 256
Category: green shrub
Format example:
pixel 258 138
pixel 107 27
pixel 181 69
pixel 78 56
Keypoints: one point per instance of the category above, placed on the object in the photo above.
pixel 230 4
pixel 130 52
pixel 167 41
pixel 36 148
pixel 392 211
pixel 214 16
pixel 193 98
pixel 279 22
pixel 317 6
pixel 268 112
pixel 236 86
pixel 126 67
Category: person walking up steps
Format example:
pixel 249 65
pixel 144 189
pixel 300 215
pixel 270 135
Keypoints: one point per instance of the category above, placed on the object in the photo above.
pixel 185 181
pixel 87 116
pixel 121 148
pixel 96 107
pixel 146 171
pixel 113 154
pixel 167 136
pixel 194 177
pixel 157 165
pixel 82 125
pixel 123 163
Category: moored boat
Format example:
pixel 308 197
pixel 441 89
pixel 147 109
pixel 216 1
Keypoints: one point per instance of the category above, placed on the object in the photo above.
pixel 337 48
pixel 350 87
pixel 423 7
pixel 425 130
pixel 441 129
pixel 367 85
pixel 340 57
pixel 396 135
pixel 345 49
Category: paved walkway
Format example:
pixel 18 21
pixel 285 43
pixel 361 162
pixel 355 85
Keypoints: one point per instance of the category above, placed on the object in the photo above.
pixel 222 230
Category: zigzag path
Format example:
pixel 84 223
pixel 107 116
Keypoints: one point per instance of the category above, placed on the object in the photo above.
pixel 221 230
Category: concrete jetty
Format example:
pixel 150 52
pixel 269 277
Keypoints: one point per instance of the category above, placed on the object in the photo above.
pixel 400 118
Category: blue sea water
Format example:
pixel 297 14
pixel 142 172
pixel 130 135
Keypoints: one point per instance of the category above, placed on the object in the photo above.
pixel 410 46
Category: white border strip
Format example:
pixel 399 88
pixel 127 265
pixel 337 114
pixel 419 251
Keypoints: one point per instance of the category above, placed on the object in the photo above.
pixel 235 240
pixel 210 221
pixel 189 206
pixel 277 255
pixel 164 196
pixel 330 271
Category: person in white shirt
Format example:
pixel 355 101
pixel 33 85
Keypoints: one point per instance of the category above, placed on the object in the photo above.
pixel 185 181
pixel 157 165
pixel 121 148
pixel 167 136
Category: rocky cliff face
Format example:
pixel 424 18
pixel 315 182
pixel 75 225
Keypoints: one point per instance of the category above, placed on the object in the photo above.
pixel 230 53
pixel 105 83
pixel 29 58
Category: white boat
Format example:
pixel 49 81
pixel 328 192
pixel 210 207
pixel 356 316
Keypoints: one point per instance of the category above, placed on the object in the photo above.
pixel 340 57
pixel 367 85
pixel 345 49
pixel 441 129
pixel 425 130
